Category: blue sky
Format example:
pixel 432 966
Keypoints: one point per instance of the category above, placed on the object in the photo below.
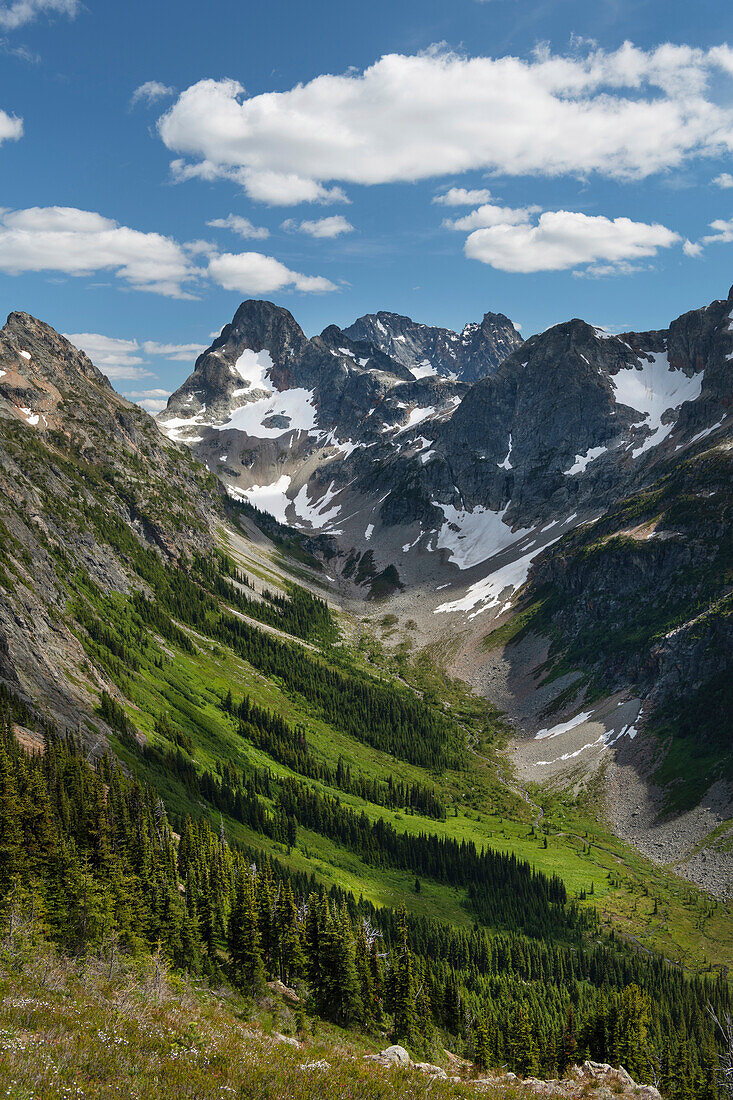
pixel 338 144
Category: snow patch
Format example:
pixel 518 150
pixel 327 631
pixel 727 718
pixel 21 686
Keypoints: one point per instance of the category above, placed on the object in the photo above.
pixel 25 354
pixel 268 498
pixel 31 418
pixel 569 755
pixel 563 727
pixel 318 514
pixel 253 367
pixel 581 461
pixel 708 431
pixel 488 591
pixel 369 531
pixel 506 464
pixel 417 416
pixel 482 534
pixel 651 391
pixel 295 404
pixel 607 738
pixel 424 369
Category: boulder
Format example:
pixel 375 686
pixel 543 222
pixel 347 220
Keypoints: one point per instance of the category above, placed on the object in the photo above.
pixel 280 1038
pixel 391 1056
pixel 284 991
pixel 603 1073
pixel 429 1068
pixel 615 1078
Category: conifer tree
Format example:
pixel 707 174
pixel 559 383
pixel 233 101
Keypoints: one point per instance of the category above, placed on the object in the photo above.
pixel 568 1045
pixel 631 1032
pixel 522 1043
pixel 243 938
pixel 482 1043
pixel 403 994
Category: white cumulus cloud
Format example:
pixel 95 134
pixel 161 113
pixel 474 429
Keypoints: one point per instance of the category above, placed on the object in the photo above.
pixel 21 12
pixel 460 196
pixel 11 128
pixel 242 226
pixel 135 394
pixel 176 352
pixel 488 215
pixel 564 239
pixel 255 273
pixel 153 401
pixel 116 358
pixel 335 226
pixel 80 242
pixel 150 92
pixel 152 405
pixel 724 180
pixel 692 248
pixel 625 114
pixel 120 358
pixel 722 234
pixel 273 188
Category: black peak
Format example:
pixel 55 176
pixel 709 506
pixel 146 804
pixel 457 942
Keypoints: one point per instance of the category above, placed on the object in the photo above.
pixel 259 315
pixel 262 326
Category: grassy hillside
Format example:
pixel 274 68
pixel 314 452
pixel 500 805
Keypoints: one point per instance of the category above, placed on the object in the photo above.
pixel 633 895
pixel 107 1027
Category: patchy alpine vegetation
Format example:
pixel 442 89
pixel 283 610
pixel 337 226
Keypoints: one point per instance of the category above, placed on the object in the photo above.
pixel 642 597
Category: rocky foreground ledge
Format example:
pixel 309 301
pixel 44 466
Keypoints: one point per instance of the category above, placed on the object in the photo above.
pixel 607 1082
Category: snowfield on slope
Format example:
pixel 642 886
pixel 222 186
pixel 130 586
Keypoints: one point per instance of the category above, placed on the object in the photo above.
pixel 268 498
pixel 482 534
pixel 295 405
pixel 651 390
pixel 507 578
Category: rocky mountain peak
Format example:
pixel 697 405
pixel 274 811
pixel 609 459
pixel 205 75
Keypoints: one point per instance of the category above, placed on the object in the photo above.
pixel 427 349
pixel 42 354
pixel 261 338
pixel 360 435
pixel 42 374
pixel 263 326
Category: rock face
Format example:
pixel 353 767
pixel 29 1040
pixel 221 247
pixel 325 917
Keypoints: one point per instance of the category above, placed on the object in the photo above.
pixel 263 366
pixel 391 1056
pixel 75 458
pixel 474 353
pixel 279 416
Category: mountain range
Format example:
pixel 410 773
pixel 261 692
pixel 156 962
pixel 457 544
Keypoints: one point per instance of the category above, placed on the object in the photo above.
pixel 587 471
